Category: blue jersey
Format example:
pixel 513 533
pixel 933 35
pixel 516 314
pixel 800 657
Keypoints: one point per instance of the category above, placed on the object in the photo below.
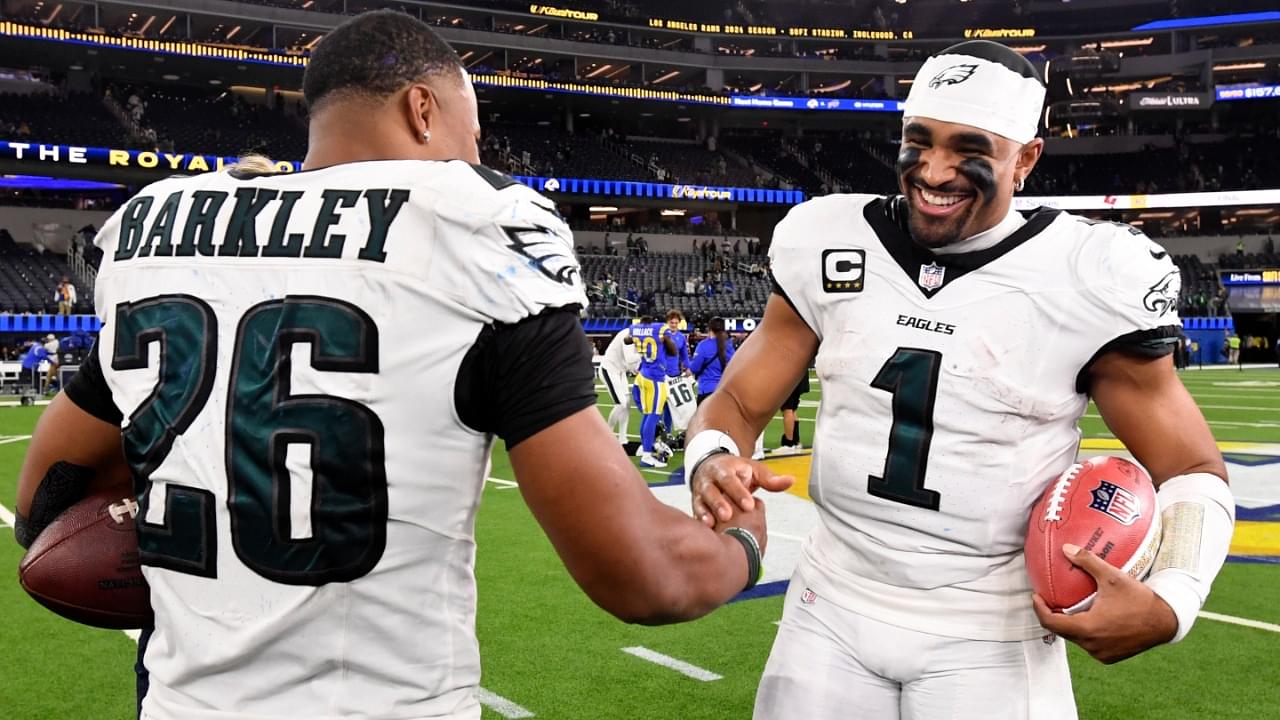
pixel 33 357
pixel 681 358
pixel 706 364
pixel 648 341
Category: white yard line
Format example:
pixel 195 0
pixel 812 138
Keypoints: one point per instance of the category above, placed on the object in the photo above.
pixel 502 484
pixel 667 661
pixel 501 705
pixel 13 439
pixel 6 517
pixel 1223 423
pixel 1256 624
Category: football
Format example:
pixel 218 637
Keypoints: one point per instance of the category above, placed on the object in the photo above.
pixel 85 567
pixel 1106 505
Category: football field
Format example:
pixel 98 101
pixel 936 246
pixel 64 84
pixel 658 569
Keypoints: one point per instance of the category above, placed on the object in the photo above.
pixel 548 652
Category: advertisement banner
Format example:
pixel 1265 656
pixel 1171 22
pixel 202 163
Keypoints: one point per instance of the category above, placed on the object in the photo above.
pixel 1170 100
pixel 169 163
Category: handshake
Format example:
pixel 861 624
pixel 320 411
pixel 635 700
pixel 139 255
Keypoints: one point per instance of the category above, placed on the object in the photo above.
pixel 722 485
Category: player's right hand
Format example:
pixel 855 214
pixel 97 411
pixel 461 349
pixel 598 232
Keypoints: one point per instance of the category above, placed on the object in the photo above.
pixel 751 520
pixel 724 482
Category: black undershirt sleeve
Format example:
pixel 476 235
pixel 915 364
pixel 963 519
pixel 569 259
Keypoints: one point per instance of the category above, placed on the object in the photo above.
pixel 1153 343
pixel 519 379
pixel 777 290
pixel 89 391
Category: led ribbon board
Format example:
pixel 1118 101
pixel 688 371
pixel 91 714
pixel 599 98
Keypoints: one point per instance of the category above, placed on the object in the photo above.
pixel 190 163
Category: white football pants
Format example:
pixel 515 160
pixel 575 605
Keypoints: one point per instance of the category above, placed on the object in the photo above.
pixel 615 381
pixel 829 663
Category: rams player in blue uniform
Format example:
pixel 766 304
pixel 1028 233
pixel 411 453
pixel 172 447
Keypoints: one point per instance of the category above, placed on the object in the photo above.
pixel 655 345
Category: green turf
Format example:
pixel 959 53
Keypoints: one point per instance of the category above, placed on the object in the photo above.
pixel 546 647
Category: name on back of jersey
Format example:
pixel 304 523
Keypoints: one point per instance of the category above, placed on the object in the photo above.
pixel 186 223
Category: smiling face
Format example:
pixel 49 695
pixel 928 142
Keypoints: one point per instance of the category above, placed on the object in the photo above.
pixel 958 179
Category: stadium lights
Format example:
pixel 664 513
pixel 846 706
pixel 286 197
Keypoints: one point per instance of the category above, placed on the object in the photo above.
pixel 833 88
pixel 165 28
pixel 672 213
pixel 1133 42
pixel 1025 49
pixel 1240 66
pixel 666 77
pixel 603 208
pixel 1156 215
pixel 599 70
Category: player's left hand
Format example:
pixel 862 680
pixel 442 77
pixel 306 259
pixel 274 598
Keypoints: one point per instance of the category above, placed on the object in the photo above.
pixel 1125 619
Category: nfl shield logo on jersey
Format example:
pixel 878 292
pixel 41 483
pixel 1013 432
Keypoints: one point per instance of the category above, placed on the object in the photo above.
pixel 1116 502
pixel 931 276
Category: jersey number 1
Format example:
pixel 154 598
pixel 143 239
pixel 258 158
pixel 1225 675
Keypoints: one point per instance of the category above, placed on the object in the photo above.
pixel 912 376
pixel 347 531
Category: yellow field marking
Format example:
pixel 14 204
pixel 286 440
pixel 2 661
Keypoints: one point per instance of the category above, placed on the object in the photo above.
pixel 1229 446
pixel 796 466
pixel 1256 538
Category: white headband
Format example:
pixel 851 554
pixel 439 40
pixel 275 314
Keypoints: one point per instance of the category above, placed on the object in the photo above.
pixel 977 92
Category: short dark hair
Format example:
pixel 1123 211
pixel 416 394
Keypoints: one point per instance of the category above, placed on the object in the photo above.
pixel 674 315
pixel 374 54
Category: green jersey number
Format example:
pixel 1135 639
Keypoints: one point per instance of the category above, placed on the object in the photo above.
pixel 911 375
pixel 347 532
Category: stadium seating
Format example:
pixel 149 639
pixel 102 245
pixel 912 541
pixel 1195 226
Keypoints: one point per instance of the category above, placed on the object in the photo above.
pixel 560 153
pixel 62 118
pixel 219 122
pixel 657 284
pixel 28 278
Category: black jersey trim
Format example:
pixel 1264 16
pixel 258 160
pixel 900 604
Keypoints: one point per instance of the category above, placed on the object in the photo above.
pixel 89 391
pixel 497 180
pixel 521 378
pixel 1153 343
pixel 888 219
pixel 778 290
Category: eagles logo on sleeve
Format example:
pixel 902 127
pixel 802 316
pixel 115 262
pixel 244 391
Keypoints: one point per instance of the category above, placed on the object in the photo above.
pixel 953 75
pixel 1163 295
pixel 545 251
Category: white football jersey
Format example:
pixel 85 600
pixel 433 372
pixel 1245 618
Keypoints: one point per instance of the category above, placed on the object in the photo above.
pixel 621 355
pixel 285 349
pixel 952 385
pixel 682 396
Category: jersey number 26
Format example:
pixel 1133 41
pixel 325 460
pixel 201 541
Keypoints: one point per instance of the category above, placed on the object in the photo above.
pixel 263 417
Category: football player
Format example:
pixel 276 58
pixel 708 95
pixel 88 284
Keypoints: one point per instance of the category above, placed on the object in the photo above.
pixel 958 342
pixel 677 364
pixel 653 342
pixel 619 363
pixel 309 474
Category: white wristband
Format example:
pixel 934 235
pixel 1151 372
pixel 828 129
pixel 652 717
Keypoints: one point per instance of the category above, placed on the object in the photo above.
pixel 1197 513
pixel 701 446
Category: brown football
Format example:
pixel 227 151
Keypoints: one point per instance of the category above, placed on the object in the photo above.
pixel 84 566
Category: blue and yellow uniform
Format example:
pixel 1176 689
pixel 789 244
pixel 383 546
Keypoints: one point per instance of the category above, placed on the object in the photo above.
pixel 651 382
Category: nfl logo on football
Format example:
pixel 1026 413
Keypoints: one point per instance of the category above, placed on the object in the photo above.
pixel 1116 502
pixel 931 276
